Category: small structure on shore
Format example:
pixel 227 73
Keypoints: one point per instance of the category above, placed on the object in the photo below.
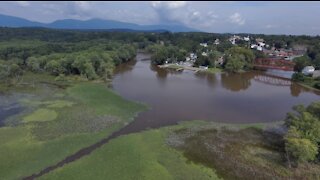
pixel 308 70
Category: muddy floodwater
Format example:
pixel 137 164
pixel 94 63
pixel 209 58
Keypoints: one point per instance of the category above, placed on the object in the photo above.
pixel 252 97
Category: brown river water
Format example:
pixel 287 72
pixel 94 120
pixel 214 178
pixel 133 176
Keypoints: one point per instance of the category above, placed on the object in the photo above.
pixel 251 97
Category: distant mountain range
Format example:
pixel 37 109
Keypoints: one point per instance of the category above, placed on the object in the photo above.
pixel 92 24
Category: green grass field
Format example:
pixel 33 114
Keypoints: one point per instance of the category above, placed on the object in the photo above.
pixel 58 122
pixel 142 155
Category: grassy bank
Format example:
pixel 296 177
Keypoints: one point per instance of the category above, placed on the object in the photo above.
pixel 57 122
pixel 191 150
pixel 214 70
pixel 142 155
pixel 309 85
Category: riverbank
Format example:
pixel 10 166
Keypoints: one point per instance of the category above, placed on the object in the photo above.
pixel 307 85
pixel 196 69
pixel 57 122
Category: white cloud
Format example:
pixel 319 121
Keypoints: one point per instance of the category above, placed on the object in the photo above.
pixel 237 19
pixel 84 5
pixel 212 15
pixel 23 3
pixel 168 4
pixel 269 26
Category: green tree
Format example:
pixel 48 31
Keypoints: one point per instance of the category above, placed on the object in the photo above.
pixel 54 68
pixel 33 64
pixel 316 61
pixel 234 64
pixel 89 71
pixel 303 136
pixel 15 70
pixel 301 62
pixel 246 56
pixel 298 76
pixel 301 149
pixel 160 56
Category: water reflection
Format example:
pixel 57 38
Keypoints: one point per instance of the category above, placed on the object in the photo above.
pixel 211 79
pixel 122 68
pixel 236 82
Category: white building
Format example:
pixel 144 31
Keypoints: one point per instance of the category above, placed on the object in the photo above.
pixel 259 48
pixel 308 70
pixel 262 44
pixel 216 42
pixel 204 54
pixel 253 46
pixel 204 44
pixel 246 38
pixel 233 39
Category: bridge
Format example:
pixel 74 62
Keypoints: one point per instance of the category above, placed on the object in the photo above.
pixel 270 63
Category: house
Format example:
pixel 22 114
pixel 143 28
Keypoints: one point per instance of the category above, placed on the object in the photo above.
pixel 193 56
pixel 254 46
pixel 204 44
pixel 262 44
pixel 308 70
pixel 246 38
pixel 233 39
pixel 216 42
pixel 204 54
pixel 259 40
pixel 188 58
pixel 259 48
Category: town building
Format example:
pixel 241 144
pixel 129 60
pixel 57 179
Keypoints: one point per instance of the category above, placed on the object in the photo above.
pixel 216 42
pixel 204 44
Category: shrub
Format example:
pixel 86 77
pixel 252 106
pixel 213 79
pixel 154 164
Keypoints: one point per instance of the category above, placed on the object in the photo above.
pixel 301 149
pixel 298 77
pixel 317 85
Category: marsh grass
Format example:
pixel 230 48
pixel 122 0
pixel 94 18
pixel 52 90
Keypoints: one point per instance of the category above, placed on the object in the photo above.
pixel 59 119
pixel 136 156
pixel 247 152
pixel 41 115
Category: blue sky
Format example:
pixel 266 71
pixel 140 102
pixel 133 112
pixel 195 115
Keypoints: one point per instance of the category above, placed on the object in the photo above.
pixel 226 16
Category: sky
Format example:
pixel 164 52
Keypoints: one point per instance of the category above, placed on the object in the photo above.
pixel 265 17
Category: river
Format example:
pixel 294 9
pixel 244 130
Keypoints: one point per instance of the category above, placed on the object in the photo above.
pixel 251 97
